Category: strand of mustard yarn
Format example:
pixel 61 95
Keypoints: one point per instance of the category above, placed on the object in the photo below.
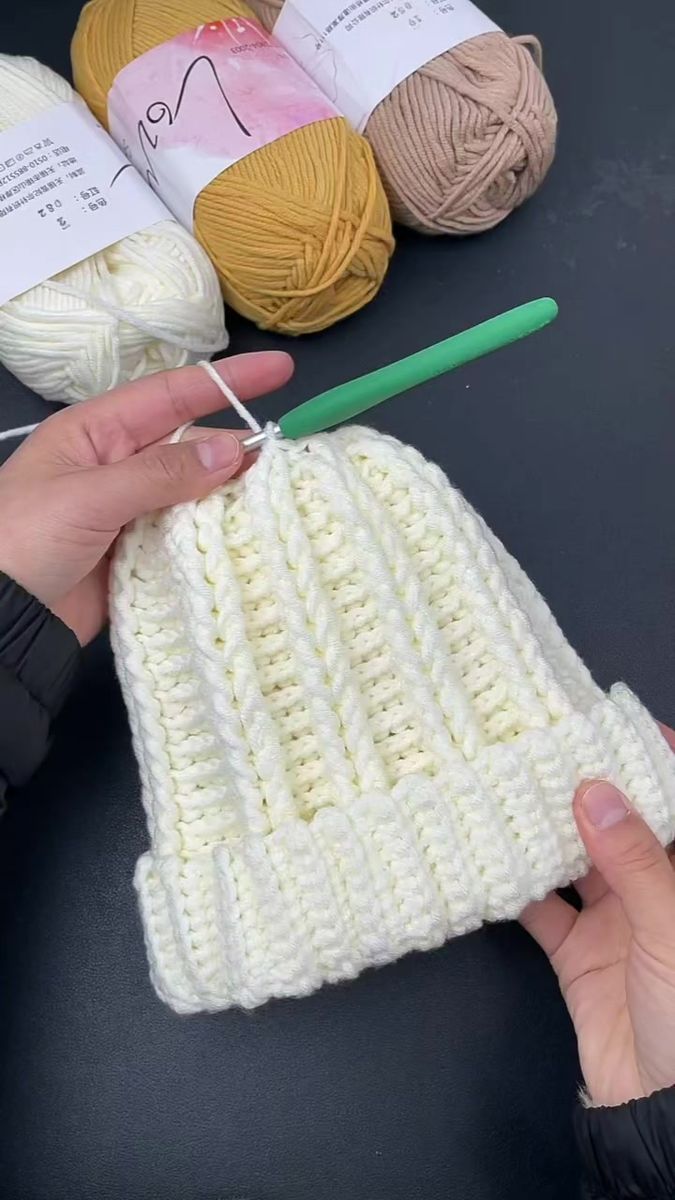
pixel 148 303
pixel 465 139
pixel 300 230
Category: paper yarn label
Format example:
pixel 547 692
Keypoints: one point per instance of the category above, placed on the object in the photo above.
pixel 66 192
pixel 192 107
pixel 358 51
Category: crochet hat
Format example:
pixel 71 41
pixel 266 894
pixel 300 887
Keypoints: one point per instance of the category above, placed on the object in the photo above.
pixel 358 726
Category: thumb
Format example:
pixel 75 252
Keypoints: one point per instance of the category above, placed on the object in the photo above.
pixel 165 474
pixel 629 857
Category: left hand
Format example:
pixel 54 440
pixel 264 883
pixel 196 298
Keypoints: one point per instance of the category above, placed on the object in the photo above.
pixel 90 469
pixel 615 960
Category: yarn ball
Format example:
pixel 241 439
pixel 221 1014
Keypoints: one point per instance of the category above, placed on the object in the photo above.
pixel 144 304
pixel 358 726
pixel 300 230
pixel 466 138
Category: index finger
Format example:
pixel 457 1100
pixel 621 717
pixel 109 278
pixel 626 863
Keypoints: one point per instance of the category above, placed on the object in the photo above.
pixel 145 411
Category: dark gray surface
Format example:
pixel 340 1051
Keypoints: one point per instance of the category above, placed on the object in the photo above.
pixel 452 1074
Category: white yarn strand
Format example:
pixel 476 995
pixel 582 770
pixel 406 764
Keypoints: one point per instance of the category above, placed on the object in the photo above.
pixel 148 303
pixel 229 395
pixel 128 316
pixel 178 434
pixel 22 431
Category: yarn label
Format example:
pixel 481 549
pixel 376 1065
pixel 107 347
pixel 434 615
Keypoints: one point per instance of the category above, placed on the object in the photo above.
pixel 187 110
pixel 358 51
pixel 66 192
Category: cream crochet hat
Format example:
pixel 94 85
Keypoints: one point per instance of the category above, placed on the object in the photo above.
pixel 358 726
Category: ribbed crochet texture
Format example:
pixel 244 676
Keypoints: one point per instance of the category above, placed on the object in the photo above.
pixel 145 304
pixel 358 726
pixel 299 231
pixel 467 138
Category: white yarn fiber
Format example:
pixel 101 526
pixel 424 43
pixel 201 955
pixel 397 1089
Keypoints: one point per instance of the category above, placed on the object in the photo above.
pixel 359 727
pixel 145 304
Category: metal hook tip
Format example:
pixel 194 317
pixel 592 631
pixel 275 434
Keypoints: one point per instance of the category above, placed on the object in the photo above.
pixel 256 440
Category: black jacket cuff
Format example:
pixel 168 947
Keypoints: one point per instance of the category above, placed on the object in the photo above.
pixel 628 1152
pixel 38 660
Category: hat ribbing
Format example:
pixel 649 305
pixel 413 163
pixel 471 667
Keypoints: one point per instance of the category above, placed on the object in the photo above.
pixel 359 728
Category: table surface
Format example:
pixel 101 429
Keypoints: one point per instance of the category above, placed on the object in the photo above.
pixel 450 1074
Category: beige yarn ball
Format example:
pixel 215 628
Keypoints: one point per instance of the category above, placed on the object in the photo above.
pixel 150 302
pixel 467 138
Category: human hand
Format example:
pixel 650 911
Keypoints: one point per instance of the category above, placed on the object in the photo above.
pixel 615 960
pixel 90 469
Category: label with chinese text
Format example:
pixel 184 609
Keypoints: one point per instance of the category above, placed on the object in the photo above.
pixel 358 51
pixel 66 192
pixel 187 110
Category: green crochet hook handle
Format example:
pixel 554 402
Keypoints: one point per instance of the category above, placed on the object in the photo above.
pixel 349 399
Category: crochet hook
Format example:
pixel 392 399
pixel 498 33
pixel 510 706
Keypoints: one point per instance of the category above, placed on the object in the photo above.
pixel 348 400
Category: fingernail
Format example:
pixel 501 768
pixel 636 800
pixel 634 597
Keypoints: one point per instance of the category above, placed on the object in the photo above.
pixel 217 453
pixel 604 805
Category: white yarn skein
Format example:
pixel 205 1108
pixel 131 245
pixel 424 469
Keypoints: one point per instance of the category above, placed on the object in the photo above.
pixel 145 304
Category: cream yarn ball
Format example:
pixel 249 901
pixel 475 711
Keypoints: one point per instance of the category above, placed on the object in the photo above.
pixel 358 726
pixel 149 302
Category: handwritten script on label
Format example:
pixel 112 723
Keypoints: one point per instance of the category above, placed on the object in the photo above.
pixel 189 109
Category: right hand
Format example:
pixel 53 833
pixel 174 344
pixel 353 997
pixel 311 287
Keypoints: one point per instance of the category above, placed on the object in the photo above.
pixel 615 960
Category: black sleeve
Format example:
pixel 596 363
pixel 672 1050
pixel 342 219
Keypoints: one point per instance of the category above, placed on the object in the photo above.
pixel 628 1152
pixel 38 659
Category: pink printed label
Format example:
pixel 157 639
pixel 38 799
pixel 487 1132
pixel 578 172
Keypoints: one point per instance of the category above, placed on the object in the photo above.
pixel 189 109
